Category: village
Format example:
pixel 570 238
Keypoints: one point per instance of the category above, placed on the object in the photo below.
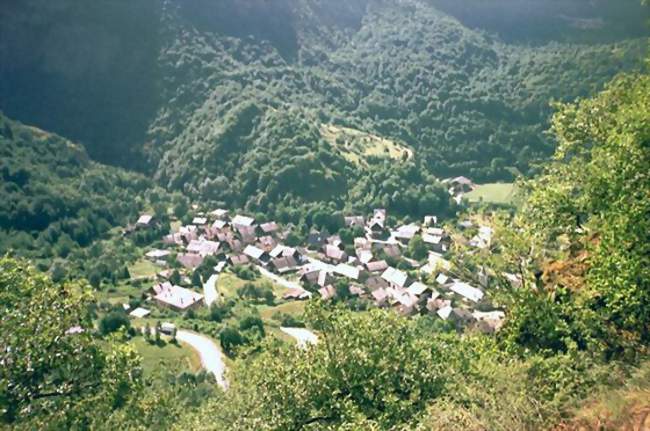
pixel 373 268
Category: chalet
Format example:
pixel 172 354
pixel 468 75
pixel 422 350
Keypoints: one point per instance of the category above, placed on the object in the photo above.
pixel 247 234
pixel 461 317
pixel 190 261
pixel 219 214
pixel 220 224
pixel 406 302
pixel 335 240
pixel 283 265
pixel 173 239
pixel 434 303
pixel 406 233
pixel 284 251
pixel 395 277
pixel 204 247
pixel 442 279
pixel 355 221
pixel 466 291
pixel 238 259
pixel 417 288
pixel 357 291
pixel 347 271
pixel 315 240
pixel 269 228
pixel 266 243
pixel 374 283
pixel 165 274
pixel 364 256
pixel 310 277
pixel 444 312
pixel 327 292
pixel 324 278
pixel 199 221
pixel 489 322
pixel 377 266
pixel 334 254
pixel 380 296
pixel 430 221
pixel 176 297
pixel 297 293
pixel 144 221
pixel 436 242
pixel 459 185
pixel 362 243
pixel 392 250
pixel 240 221
pixel 235 245
pixel 257 254
pixel 167 328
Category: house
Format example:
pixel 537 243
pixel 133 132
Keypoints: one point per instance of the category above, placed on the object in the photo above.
pixel 177 297
pixel 334 254
pixel 436 242
pixel 364 256
pixel 434 303
pixel 297 293
pixel 167 328
pixel 444 312
pixel 406 233
pixel 430 221
pixel 269 228
pixel 219 214
pixel 356 291
pixel 257 254
pixel 461 317
pixel 199 221
pixel 189 260
pixel 377 266
pixel 240 221
pixel 417 288
pixel 315 240
pixel 204 247
pixel 238 259
pixel 347 271
pixel 459 185
pixel 406 302
pixel 284 264
pixel 442 279
pixel 354 221
pixel 247 234
pixel 392 250
pixel 380 297
pixel 144 221
pixel 489 322
pixel 466 291
pixel 219 224
pixel 374 283
pixel 284 251
pixel 327 292
pixel 157 254
pixel 266 243
pixel 324 278
pixel 336 241
pixel 395 277
pixel 361 243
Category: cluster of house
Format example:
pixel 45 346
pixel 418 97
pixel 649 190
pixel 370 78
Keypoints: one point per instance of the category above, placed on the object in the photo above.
pixel 323 262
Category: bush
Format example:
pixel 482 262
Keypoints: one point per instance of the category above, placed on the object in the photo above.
pixel 113 321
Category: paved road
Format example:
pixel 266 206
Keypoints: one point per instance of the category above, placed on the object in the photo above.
pixel 302 335
pixel 210 293
pixel 211 356
pixel 279 280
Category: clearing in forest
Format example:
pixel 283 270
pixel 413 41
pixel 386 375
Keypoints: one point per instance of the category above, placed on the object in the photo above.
pixel 356 146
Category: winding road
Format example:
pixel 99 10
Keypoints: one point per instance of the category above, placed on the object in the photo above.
pixel 209 352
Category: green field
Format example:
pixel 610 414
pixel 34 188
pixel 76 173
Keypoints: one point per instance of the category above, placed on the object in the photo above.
pixel 495 193
pixel 170 357
pixel 228 284
pixel 143 268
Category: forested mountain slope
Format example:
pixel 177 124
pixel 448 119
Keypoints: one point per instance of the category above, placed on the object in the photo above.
pixel 55 201
pixel 227 100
